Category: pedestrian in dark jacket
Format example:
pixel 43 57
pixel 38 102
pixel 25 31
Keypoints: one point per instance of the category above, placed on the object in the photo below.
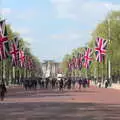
pixel 80 83
pixel 3 90
pixel 61 85
pixel 69 83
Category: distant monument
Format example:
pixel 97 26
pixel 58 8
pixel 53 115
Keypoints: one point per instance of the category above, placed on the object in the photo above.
pixel 50 68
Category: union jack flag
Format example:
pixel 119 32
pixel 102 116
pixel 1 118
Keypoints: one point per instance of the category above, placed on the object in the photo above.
pixel 81 60
pixel 100 49
pixel 73 62
pixel 77 61
pixel 87 58
pixel 29 63
pixel 15 51
pixel 25 62
pixel 21 58
pixel 4 44
pixel 69 64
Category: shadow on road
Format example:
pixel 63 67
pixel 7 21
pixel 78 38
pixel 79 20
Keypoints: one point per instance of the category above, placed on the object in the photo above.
pixel 59 111
pixel 37 96
pixel 44 93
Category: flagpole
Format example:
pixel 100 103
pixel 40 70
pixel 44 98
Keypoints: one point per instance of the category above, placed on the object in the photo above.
pixel 102 71
pixel 8 74
pixel 15 75
pixel 26 73
pixel 2 71
pixel 95 75
pixel 2 58
pixel 109 38
pixel 86 72
pixel 98 72
pixel 18 76
pixel 109 62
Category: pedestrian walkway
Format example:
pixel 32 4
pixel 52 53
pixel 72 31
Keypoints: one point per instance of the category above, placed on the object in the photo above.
pixel 114 85
pixel 89 104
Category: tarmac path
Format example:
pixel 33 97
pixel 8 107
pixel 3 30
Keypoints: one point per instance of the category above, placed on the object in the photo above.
pixel 89 104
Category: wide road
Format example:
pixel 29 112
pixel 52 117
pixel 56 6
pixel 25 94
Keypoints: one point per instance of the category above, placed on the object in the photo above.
pixel 89 104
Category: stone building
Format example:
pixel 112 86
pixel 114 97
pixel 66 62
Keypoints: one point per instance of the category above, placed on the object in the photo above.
pixel 50 68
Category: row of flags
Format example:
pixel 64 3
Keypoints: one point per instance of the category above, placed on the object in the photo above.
pixel 10 49
pixel 84 59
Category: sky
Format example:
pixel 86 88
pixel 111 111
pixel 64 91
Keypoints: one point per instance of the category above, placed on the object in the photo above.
pixel 55 27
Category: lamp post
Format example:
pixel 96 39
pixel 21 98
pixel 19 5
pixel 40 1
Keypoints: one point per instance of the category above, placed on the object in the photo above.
pixel 109 62
pixel 109 38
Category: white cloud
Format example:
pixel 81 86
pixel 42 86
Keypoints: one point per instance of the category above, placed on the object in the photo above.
pixel 28 39
pixel 86 13
pixel 83 10
pixel 24 32
pixel 66 36
pixel 21 30
pixel 24 14
pixel 27 14
pixel 6 11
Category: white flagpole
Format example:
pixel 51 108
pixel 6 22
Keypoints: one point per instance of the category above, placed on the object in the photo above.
pixel 109 62
pixel 86 72
pixel 109 38
pixel 109 65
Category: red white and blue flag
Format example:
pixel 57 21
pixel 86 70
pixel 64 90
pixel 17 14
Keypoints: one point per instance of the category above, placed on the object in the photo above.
pixel 77 62
pixel 81 60
pixel 73 63
pixel 25 62
pixel 100 49
pixel 29 63
pixel 4 44
pixel 21 58
pixel 15 51
pixel 69 65
pixel 87 57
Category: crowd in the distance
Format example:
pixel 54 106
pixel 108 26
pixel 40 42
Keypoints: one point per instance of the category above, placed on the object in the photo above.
pixel 54 83
pixel 61 84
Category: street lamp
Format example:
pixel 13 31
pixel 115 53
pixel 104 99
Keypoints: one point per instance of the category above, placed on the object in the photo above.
pixel 109 38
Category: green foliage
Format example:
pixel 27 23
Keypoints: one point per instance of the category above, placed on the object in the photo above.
pixel 7 68
pixel 112 21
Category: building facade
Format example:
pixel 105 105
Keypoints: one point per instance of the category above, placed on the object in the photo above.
pixel 50 68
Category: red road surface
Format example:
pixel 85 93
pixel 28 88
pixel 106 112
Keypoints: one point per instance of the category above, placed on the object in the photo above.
pixel 89 104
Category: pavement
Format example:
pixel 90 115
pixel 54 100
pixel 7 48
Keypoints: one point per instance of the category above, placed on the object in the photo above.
pixel 114 85
pixel 47 104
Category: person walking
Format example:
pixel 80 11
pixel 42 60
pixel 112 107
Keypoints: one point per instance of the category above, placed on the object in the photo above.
pixel 61 83
pixel 106 83
pixel 3 90
pixel 80 83
pixel 69 83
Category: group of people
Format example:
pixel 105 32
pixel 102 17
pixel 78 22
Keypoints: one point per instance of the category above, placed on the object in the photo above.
pixel 75 83
pixel 55 83
pixel 52 83
pixel 29 83
pixel 105 83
